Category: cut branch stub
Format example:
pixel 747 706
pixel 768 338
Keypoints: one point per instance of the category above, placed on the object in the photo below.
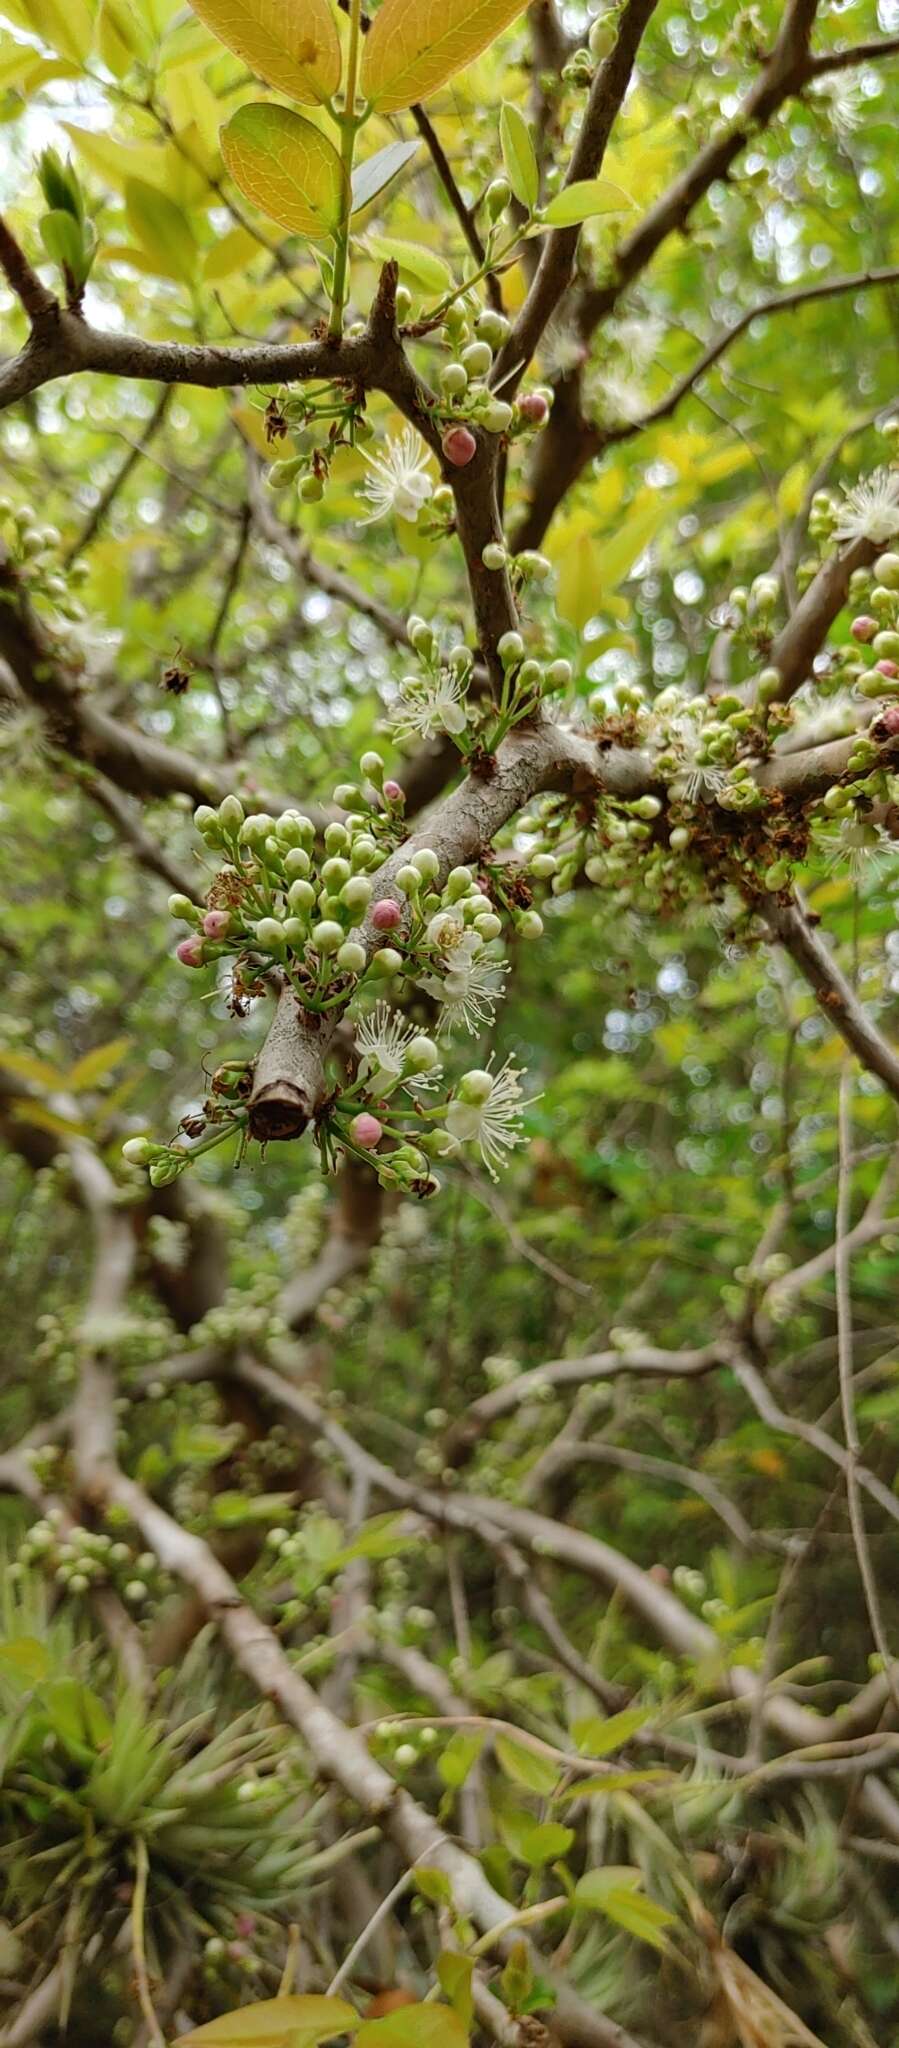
pixel 289 1082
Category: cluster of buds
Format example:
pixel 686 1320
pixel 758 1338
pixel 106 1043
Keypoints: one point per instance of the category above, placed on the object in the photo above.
pixel 873 666
pixel 280 901
pixel 81 1560
pixel 322 423
pixel 466 397
pixel 581 66
pixel 35 551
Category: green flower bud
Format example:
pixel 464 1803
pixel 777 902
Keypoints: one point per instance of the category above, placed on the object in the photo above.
pixel 311 490
pixel 335 872
pixel 373 767
pixel 454 379
pixel 386 960
pixel 356 894
pixel 542 865
pixel 492 327
pixel 475 1087
pixel 496 416
pixel 496 198
pixel 269 934
pixel 231 814
pixel 181 906
pixel 352 957
pixel 206 820
pixel 296 932
pixel 494 555
pixel 425 860
pixel 409 879
pixel 886 570
pixel 327 937
pixel 300 897
pixel 510 648
pixel 478 359
pixel 647 807
pixel 529 925
pixel 139 1151
pixel 297 864
pixel 284 472
pixel 422 1055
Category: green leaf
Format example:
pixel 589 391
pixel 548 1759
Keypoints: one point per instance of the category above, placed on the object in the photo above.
pixel 434 1885
pixel 63 240
pixel 24 1659
pixel 277 2023
pixel 454 1975
pixel 163 230
pixel 517 1979
pixel 292 44
pixel 236 1510
pixel 414 46
pixel 418 263
pixel 38 1072
pixel 537 1773
pixel 535 1842
pixel 380 1537
pixel 616 1892
pixel 613 1781
pixel 95 1065
pixel 582 201
pixel 416 2026
pixel 377 171
pixel 286 167
pixel 597 1737
pixel 519 156
pixel 459 1759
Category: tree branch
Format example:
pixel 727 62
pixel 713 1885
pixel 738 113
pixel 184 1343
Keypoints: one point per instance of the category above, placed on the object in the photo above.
pixel 790 923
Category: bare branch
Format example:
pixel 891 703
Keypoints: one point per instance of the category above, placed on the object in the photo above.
pixel 33 296
pixel 790 923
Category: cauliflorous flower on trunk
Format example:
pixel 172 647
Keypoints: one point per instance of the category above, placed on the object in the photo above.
pixel 487 1112
pixel 467 980
pixel 870 510
pixel 392 1051
pixel 398 480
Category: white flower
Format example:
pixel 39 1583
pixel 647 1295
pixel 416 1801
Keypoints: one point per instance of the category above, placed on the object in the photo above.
pixel 639 337
pixel 430 704
pixel 383 1039
pixel 465 978
pixel 398 480
pixel 487 1112
pixel 845 101
pixel 870 510
pixel 619 397
pixel 858 848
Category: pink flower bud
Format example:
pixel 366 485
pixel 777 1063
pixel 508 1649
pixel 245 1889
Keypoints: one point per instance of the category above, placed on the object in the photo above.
pixel 386 915
pixel 888 723
pixel 215 923
pixel 533 408
pixel 190 952
pixel 887 668
pixel 459 446
pixel 393 793
pixel 863 628
pixel 365 1131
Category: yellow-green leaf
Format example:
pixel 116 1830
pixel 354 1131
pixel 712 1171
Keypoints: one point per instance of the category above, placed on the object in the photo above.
pixel 288 169
pixel 418 263
pixel 414 46
pixel 454 1975
pixel 597 1737
pixel 612 1781
pixel 524 1767
pixel 27 1068
pixel 292 44
pixel 65 24
pixel 277 2023
pixel 583 200
pixel 417 2026
pixel 233 252
pixel 95 1065
pixel 617 1892
pixel 44 1119
pixel 518 156
pixel 162 230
